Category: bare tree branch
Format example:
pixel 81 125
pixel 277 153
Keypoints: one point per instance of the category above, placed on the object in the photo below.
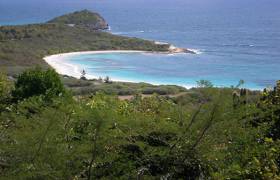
pixel 188 127
pixel 94 149
pixel 42 139
pixel 208 125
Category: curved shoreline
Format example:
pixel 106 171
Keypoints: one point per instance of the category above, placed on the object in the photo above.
pixel 61 66
pixel 58 62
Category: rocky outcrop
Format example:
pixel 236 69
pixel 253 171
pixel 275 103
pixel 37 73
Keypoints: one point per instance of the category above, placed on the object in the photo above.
pixel 173 49
pixel 83 18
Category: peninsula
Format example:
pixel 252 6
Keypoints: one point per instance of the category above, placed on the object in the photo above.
pixel 25 46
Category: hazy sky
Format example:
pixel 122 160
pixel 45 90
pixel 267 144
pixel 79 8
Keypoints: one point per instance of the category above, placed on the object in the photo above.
pixel 13 10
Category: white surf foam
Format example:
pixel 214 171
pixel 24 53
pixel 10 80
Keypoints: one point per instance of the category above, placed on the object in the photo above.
pixel 197 51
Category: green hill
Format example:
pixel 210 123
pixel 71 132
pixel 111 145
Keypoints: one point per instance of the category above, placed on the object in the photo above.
pixel 24 46
pixel 82 18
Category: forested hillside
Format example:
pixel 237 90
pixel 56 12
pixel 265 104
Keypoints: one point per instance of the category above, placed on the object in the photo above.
pixel 209 132
pixel 83 18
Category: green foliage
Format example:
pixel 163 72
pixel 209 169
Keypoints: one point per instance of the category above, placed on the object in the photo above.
pixel 204 84
pixel 82 18
pixel 240 83
pixel 205 133
pixel 269 111
pixel 4 86
pixel 35 82
pixel 5 89
pixel 26 45
pixel 87 87
pixel 197 135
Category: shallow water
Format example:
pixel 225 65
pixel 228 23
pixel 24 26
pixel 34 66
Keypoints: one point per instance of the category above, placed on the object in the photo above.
pixel 238 39
pixel 179 69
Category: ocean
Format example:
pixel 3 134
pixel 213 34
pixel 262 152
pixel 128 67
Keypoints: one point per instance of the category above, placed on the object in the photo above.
pixel 235 39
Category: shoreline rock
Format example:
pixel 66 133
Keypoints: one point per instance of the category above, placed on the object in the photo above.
pixel 173 49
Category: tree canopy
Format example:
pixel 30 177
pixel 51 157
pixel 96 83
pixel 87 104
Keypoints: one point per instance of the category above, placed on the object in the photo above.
pixel 36 82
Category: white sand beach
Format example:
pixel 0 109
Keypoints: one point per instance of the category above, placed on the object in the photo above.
pixel 58 62
pixel 61 66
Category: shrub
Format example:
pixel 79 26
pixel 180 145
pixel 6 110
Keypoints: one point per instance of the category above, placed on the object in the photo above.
pixel 204 84
pixel 5 89
pixel 36 82
pixel 4 85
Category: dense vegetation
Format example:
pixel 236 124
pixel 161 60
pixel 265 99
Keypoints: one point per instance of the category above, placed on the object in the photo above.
pixel 85 87
pixel 207 133
pixel 48 132
pixel 37 82
pixel 24 46
pixel 82 18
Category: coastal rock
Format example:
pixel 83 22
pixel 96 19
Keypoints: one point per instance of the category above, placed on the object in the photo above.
pixel 83 18
pixel 173 49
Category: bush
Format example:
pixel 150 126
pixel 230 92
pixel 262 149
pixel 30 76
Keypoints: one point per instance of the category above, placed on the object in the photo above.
pixel 204 84
pixel 36 82
pixel 5 89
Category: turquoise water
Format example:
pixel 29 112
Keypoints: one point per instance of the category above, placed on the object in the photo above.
pixel 239 39
pixel 179 69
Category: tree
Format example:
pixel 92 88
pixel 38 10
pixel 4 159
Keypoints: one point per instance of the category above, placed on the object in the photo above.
pixel 240 83
pixel 83 75
pixel 107 80
pixel 204 84
pixel 36 82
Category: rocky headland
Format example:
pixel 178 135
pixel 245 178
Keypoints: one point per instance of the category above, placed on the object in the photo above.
pixel 83 18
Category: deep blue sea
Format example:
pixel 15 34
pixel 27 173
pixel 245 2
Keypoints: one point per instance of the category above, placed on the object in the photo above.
pixel 238 39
